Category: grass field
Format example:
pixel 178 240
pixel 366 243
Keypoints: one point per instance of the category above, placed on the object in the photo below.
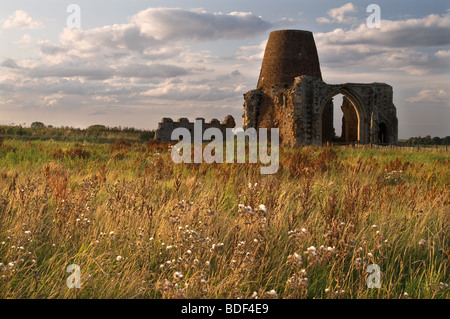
pixel 139 226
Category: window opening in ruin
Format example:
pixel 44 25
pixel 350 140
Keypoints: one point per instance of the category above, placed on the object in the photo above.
pixel 382 133
pixel 340 121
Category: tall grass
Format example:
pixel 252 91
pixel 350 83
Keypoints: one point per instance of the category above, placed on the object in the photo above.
pixel 140 226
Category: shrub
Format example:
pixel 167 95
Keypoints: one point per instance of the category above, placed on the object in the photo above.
pixel 78 152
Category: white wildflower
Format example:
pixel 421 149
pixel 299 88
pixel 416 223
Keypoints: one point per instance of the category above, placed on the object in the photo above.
pixel 311 249
pixel 177 275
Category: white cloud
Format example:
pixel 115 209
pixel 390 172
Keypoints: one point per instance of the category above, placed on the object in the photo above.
pixel 166 24
pixel 20 20
pixel 251 53
pixel 430 31
pixel 339 15
pixel 437 95
pixel 24 41
pixel 406 45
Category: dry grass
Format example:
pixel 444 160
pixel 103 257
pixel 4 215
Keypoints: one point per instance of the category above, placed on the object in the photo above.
pixel 140 226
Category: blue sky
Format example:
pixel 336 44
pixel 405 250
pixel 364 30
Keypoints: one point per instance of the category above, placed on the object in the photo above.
pixel 134 62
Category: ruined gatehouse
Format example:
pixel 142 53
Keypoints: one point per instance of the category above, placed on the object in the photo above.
pixel 292 96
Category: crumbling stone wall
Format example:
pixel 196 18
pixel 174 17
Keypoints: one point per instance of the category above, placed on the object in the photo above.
pixel 292 96
pixel 167 125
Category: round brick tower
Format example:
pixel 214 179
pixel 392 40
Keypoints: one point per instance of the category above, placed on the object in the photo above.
pixel 289 53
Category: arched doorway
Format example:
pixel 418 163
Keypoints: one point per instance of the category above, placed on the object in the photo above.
pixel 340 103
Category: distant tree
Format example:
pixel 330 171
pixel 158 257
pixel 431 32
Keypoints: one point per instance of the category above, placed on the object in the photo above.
pixel 96 127
pixel 446 140
pixel 437 140
pixel 146 136
pixel 37 125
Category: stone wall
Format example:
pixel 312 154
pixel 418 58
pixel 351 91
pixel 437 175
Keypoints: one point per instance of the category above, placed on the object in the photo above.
pixel 292 96
pixel 167 125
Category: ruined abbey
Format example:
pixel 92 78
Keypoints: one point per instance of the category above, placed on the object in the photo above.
pixel 292 96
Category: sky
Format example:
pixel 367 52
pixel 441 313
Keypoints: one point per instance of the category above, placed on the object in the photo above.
pixel 131 63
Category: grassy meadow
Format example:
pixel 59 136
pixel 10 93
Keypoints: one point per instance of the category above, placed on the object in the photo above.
pixel 140 226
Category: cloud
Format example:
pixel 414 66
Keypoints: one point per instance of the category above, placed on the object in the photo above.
pixel 24 41
pixel 10 63
pixel 338 15
pixel 20 20
pixel 431 96
pixel 166 24
pixel 408 45
pixel 251 53
pixel 430 31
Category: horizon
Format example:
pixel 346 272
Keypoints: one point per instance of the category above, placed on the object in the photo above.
pixel 131 65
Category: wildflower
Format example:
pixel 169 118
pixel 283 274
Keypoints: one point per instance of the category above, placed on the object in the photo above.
pixel 119 258
pixel 255 240
pixel 189 252
pixel 273 293
pixel 370 255
pixel 207 263
pixel 311 249
pixel 11 264
pixel 27 232
pixel 405 294
pixel 374 227
pixel 422 243
pixel 263 208
pixel 297 257
pixel 111 233
pixel 168 263
pixel 169 247
pixel 327 290
pixel 177 275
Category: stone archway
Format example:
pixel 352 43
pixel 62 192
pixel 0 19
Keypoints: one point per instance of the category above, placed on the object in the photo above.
pixel 352 124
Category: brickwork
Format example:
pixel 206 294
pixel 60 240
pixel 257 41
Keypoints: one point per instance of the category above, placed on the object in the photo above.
pixel 167 125
pixel 292 96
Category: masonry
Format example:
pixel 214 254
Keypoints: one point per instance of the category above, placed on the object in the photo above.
pixel 292 96
pixel 167 125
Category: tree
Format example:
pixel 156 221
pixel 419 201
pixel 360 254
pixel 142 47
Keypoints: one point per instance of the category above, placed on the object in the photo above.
pixel 37 125
pixel 437 140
